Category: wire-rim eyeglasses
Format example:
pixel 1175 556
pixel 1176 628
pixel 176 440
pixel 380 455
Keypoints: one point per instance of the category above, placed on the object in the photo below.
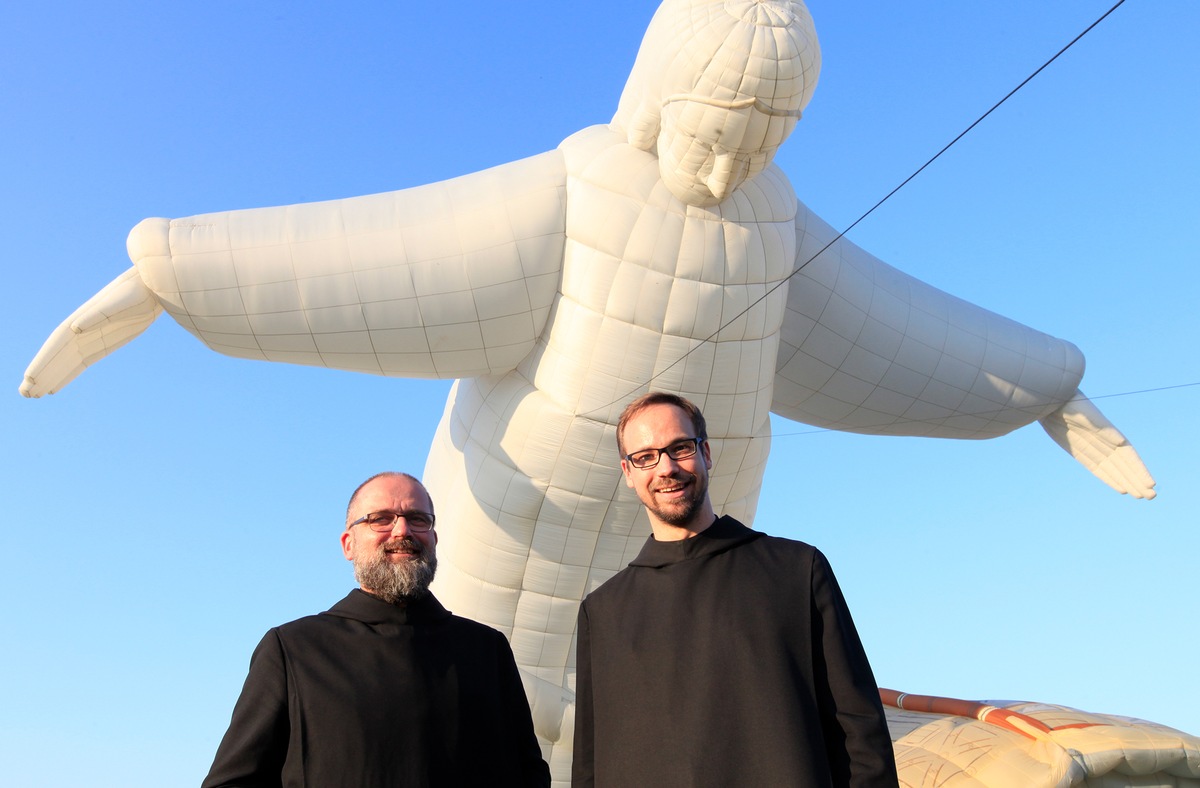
pixel 418 521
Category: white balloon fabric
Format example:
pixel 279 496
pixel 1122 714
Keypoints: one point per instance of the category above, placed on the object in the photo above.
pixel 997 744
pixel 662 250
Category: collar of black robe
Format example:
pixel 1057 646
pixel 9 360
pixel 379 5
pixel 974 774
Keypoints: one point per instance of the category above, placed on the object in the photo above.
pixel 724 534
pixel 361 606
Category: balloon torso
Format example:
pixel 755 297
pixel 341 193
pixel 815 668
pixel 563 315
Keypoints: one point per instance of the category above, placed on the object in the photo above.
pixel 654 294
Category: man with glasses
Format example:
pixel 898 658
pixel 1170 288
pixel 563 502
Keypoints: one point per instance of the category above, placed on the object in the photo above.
pixel 720 656
pixel 387 687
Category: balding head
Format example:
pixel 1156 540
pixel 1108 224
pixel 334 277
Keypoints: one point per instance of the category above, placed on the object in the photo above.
pixel 384 475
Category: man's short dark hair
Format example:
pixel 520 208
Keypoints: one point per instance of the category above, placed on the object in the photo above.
pixel 660 398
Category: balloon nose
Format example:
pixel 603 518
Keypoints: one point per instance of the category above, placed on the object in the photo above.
pixel 720 179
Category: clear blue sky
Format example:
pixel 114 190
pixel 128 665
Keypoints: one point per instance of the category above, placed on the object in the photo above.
pixel 172 504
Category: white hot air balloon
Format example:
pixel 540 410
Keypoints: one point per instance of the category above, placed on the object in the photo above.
pixel 661 250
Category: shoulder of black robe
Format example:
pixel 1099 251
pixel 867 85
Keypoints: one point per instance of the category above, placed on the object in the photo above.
pixel 724 534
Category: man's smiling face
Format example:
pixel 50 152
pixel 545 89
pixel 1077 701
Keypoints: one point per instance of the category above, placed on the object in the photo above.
pixel 674 492
pixel 399 562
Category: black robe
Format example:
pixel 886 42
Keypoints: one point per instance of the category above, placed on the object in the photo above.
pixel 372 694
pixel 727 659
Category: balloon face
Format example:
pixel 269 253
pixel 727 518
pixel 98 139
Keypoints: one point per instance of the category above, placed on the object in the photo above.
pixel 707 148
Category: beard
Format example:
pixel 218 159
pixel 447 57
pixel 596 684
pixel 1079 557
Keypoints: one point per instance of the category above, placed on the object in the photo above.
pixel 396 582
pixel 680 512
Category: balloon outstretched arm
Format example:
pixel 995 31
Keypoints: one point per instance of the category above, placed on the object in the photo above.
pixel 867 348
pixel 1088 436
pixel 108 320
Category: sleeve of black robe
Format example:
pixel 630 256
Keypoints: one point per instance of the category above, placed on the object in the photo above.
pixel 855 728
pixel 252 753
pixel 582 765
pixel 535 772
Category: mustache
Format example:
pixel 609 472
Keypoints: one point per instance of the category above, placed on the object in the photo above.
pixel 407 543
pixel 672 481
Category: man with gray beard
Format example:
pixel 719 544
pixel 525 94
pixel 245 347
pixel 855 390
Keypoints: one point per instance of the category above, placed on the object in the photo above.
pixel 387 687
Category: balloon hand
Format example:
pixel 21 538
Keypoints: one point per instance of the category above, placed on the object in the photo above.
pixel 1088 436
pixel 109 319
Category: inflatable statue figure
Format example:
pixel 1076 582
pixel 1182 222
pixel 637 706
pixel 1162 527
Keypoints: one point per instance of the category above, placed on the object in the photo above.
pixel 660 250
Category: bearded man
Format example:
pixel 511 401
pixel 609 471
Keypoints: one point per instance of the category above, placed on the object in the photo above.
pixel 387 687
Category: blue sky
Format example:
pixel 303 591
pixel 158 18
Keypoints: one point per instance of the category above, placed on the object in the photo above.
pixel 172 504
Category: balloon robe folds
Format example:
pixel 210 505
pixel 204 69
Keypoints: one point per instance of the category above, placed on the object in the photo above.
pixel 662 250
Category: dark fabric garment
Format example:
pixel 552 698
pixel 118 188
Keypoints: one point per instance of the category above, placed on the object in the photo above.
pixel 727 659
pixel 371 694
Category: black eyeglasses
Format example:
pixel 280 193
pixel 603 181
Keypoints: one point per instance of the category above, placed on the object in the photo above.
pixel 679 450
pixel 418 522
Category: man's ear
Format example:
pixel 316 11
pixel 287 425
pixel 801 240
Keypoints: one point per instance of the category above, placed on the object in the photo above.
pixel 707 454
pixel 348 544
pixel 625 471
